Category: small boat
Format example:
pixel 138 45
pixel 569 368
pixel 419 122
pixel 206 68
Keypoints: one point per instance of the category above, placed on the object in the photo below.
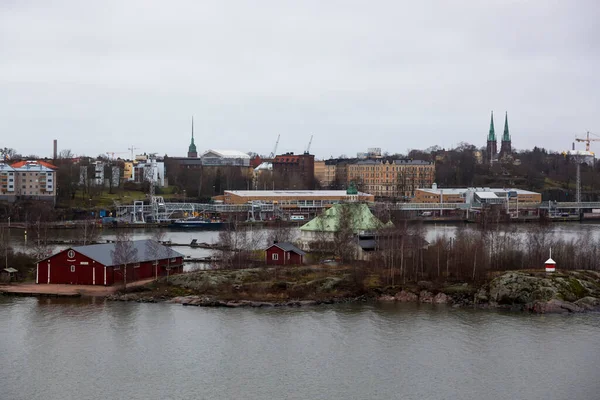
pixel 197 223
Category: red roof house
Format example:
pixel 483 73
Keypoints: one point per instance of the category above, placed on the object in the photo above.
pixel 94 265
pixel 284 254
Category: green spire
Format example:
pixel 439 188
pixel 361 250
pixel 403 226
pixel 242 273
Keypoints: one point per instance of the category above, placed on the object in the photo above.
pixel 492 134
pixel 192 148
pixel 506 136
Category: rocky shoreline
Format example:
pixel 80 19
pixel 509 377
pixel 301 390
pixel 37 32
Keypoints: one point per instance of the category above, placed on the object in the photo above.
pixel 528 291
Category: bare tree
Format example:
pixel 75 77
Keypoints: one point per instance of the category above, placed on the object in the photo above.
pixel 124 253
pixel 40 248
pixel 5 248
pixel 88 232
pixel 281 233
pixel 154 248
pixel 343 240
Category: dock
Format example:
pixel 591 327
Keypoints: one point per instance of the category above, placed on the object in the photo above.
pixel 72 291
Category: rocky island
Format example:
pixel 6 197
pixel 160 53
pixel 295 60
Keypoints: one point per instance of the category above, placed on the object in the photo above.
pixel 532 291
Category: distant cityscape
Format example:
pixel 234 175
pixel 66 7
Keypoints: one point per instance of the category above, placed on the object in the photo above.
pixel 204 175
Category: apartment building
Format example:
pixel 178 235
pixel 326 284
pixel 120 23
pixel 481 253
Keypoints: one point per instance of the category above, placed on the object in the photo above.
pixel 325 174
pixel 294 171
pixel 391 178
pixel 27 180
pixel 7 183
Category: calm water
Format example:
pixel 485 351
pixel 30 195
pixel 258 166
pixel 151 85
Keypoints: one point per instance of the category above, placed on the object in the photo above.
pixel 59 349
pixel 566 231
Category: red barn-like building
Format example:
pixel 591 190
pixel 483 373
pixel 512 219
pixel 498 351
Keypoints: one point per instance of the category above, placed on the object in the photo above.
pixel 93 264
pixel 284 254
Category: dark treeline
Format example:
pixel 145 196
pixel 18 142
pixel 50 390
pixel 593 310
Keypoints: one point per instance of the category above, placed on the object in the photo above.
pixel 551 173
pixel 473 253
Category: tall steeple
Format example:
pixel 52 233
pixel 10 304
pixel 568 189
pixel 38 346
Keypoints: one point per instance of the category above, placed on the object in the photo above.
pixel 492 144
pixel 506 146
pixel 506 135
pixel 492 133
pixel 192 153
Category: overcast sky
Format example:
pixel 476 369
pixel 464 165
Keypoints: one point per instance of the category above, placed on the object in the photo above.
pixel 101 76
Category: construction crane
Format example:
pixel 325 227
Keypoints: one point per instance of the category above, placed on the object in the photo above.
pixel 579 156
pixel 587 140
pixel 272 155
pixel 132 149
pixel 112 153
pixel 307 151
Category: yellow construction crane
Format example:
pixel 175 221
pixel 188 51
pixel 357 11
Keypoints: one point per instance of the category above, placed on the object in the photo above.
pixel 587 140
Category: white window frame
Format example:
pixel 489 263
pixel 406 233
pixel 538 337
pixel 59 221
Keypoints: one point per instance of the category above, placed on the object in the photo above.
pixel 72 268
pixel 275 257
pixel 136 265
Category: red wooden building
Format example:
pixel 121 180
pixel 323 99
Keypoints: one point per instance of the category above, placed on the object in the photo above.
pixel 284 254
pixel 94 265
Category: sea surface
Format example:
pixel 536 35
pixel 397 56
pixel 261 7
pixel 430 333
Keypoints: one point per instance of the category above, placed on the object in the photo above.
pixel 92 349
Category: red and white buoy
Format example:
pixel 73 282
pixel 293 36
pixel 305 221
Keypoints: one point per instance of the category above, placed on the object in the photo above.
pixel 550 264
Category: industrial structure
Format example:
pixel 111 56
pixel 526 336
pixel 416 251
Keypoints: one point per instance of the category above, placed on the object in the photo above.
pixel 470 195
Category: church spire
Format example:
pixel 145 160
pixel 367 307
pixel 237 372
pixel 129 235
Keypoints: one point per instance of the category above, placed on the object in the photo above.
pixel 492 134
pixel 506 135
pixel 192 149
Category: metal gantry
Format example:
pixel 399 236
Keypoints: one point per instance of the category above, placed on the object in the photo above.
pixel 160 211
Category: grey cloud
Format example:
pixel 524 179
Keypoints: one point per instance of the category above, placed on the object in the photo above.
pixel 100 76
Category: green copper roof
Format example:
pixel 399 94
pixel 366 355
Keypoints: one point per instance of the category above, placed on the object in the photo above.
pixel 506 135
pixel 192 148
pixel 362 219
pixel 492 134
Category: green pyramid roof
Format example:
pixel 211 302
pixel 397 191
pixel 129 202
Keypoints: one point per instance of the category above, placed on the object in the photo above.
pixel 362 219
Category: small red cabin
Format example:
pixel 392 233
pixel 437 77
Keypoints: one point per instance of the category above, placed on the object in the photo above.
pixel 94 265
pixel 284 254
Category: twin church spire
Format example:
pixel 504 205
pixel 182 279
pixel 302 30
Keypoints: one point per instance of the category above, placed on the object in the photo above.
pixel 492 145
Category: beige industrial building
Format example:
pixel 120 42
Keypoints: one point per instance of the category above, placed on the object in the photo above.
pixel 468 195
pixel 291 198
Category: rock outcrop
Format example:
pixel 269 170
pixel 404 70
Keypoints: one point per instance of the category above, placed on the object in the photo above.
pixel 566 291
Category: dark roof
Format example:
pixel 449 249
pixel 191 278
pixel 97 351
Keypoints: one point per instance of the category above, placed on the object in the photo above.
pixel 103 252
pixel 286 246
pixel 367 244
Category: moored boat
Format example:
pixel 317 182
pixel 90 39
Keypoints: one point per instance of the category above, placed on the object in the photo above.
pixel 197 223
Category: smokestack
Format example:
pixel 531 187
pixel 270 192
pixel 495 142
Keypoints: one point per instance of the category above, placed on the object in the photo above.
pixel 573 145
pixel 55 154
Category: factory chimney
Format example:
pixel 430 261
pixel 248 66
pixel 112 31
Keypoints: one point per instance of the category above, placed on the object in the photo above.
pixel 55 153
